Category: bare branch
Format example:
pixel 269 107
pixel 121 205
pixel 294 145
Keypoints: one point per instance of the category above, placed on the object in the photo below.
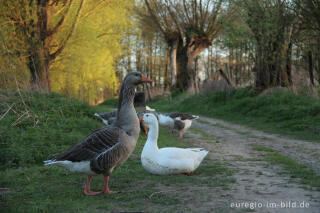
pixel 64 43
pixel 54 30
pixel 155 18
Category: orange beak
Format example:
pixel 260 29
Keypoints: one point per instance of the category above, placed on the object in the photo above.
pixel 145 79
pixel 141 118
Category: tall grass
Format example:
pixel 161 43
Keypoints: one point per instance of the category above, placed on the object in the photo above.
pixel 280 112
pixel 34 126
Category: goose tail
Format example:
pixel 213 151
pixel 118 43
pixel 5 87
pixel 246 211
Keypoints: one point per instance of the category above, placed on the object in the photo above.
pixel 195 117
pixel 49 162
pixel 150 109
pixel 203 154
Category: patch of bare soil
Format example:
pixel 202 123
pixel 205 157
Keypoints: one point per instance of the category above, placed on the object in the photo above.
pixel 260 186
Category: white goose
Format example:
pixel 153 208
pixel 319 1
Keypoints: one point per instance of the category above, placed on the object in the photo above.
pixel 169 160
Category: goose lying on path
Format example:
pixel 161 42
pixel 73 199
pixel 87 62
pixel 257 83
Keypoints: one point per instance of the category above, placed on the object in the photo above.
pixel 108 147
pixel 169 160
pixel 178 121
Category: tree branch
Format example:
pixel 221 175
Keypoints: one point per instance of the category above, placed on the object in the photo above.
pixel 155 18
pixel 63 45
pixel 54 30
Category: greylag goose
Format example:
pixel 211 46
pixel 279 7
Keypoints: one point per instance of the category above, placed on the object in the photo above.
pixel 108 147
pixel 108 118
pixel 177 121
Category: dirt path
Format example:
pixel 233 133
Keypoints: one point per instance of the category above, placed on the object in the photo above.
pixel 264 186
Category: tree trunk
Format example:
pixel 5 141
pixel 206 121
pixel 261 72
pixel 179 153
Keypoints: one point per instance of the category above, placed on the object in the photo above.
pixel 186 54
pixel 38 63
pixel 225 77
pixel 262 76
pixel 289 63
pixel 173 61
pixel 40 58
pixel 310 67
pixel 166 75
pixel 185 70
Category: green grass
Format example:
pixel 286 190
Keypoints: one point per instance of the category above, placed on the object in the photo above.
pixel 297 116
pixel 292 167
pixel 113 102
pixel 38 126
pixel 262 148
pixel 47 189
pixel 28 186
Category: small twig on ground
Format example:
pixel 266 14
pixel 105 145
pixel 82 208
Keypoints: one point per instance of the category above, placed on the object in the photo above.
pixel 21 116
pixel 159 192
pixel 7 111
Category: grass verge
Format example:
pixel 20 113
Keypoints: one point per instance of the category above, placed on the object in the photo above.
pixel 297 116
pixel 295 169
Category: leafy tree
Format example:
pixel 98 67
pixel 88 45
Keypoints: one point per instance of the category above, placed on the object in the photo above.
pixel 273 25
pixel 309 37
pixel 35 25
pixel 86 69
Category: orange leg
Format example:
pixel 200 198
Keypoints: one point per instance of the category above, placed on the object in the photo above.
pixel 180 134
pixel 87 190
pixel 106 187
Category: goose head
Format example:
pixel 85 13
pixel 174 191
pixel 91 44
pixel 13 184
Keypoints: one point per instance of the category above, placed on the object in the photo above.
pixel 135 78
pixel 149 118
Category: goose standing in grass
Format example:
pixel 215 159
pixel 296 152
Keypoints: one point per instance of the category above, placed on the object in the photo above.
pixel 108 147
pixel 177 121
pixel 169 160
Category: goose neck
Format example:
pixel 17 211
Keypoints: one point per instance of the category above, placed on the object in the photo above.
pixel 126 115
pixel 153 135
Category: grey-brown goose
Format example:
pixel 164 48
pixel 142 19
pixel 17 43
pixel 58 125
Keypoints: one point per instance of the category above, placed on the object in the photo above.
pixel 108 147
pixel 177 121
pixel 109 118
pixel 182 121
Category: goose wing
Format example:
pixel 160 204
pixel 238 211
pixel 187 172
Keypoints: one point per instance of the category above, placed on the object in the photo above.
pixel 178 124
pixel 182 116
pixel 98 142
